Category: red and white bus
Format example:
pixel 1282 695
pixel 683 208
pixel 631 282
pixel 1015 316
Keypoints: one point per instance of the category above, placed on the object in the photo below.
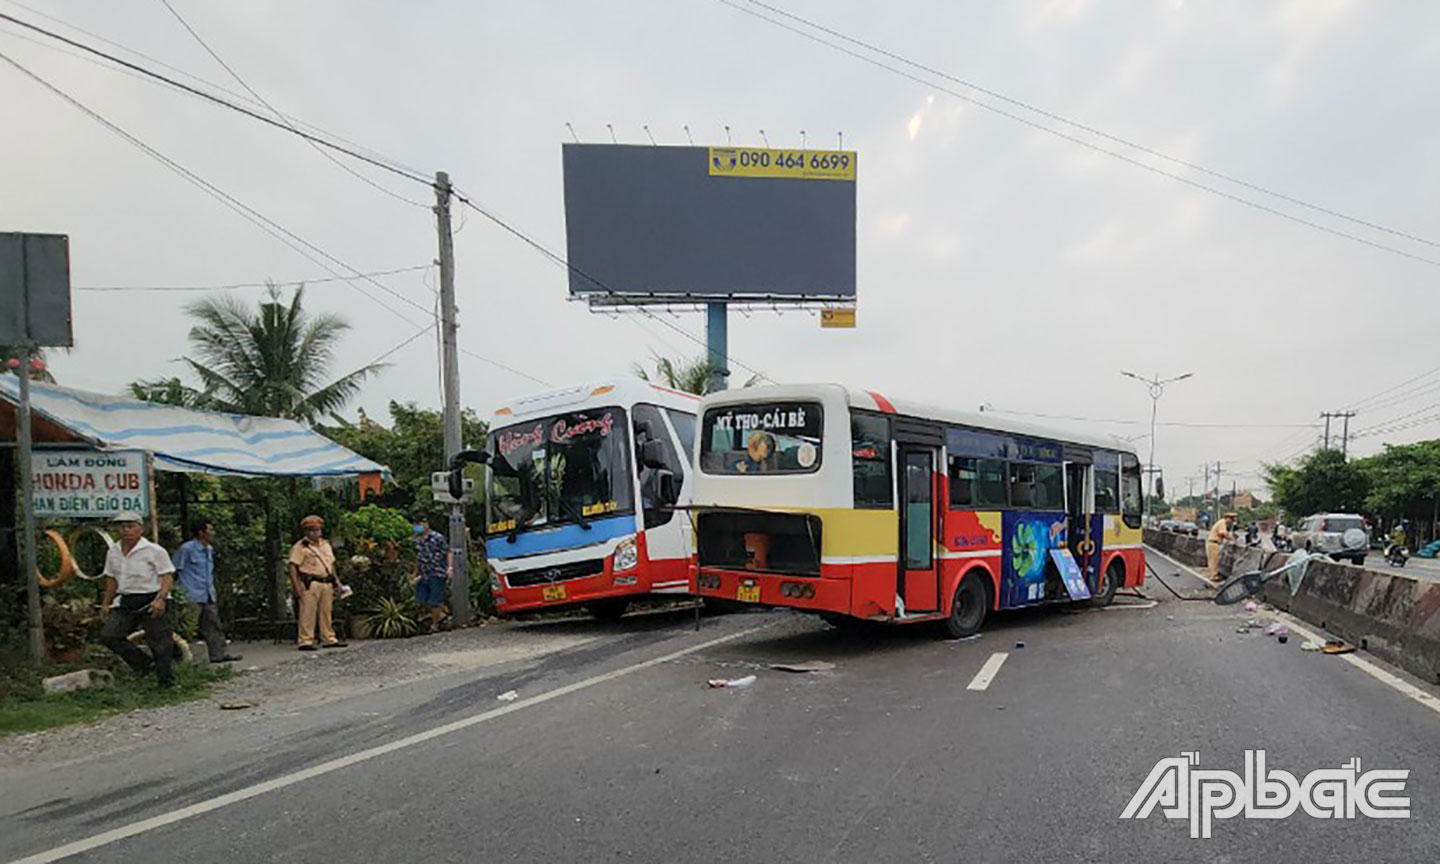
pixel 582 486
pixel 855 506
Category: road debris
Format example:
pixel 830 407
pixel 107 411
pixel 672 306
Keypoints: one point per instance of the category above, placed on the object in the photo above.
pixel 1311 646
pixel 732 682
pixel 1019 644
pixel 1277 629
pixel 508 696
pixel 1251 605
pixel 236 705
pixel 1337 646
pixel 806 666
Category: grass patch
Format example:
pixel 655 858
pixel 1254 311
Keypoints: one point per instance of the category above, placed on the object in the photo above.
pixel 24 710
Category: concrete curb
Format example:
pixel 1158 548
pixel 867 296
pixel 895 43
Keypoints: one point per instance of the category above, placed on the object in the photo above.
pixel 1395 617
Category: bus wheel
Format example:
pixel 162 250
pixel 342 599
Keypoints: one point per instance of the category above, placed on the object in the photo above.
pixel 608 610
pixel 1110 581
pixel 967 610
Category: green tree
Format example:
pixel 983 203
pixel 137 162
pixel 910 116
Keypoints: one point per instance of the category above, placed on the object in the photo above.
pixel 1323 482
pixel 1404 479
pixel 412 447
pixel 168 391
pixel 692 375
pixel 273 361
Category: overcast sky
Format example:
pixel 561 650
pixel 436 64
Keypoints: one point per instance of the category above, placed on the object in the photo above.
pixel 997 264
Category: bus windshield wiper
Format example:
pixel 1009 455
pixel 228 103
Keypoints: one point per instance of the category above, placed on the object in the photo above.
pixel 579 519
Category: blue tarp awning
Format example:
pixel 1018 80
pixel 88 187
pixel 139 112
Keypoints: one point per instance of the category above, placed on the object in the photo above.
pixel 183 439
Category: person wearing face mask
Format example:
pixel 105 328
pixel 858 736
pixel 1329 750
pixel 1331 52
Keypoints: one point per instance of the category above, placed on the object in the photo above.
pixel 432 569
pixel 137 578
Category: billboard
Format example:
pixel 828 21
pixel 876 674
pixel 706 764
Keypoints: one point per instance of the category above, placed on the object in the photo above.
pixel 649 224
pixel 35 290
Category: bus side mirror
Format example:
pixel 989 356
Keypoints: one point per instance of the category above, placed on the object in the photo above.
pixel 457 483
pixel 668 488
pixel 1160 488
pixel 652 454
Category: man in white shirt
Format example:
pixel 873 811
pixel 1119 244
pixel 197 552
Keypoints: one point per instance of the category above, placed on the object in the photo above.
pixel 137 580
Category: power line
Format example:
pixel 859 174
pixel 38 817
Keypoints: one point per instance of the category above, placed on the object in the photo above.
pixel 1407 381
pixel 254 115
pixel 176 69
pixel 1195 184
pixel 1090 129
pixel 266 224
pixel 288 125
pixel 285 284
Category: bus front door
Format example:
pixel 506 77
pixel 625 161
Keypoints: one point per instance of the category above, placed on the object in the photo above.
pixel 919 582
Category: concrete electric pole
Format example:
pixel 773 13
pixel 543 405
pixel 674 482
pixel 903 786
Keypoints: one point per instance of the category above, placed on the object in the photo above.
pixel 459 545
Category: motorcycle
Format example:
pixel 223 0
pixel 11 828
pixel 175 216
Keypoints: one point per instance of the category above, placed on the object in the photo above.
pixel 1396 555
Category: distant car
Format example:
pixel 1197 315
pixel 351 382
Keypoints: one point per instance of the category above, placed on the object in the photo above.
pixel 1168 524
pixel 1324 532
pixel 1189 528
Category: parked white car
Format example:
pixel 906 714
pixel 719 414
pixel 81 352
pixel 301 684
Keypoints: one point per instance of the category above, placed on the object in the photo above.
pixel 1325 532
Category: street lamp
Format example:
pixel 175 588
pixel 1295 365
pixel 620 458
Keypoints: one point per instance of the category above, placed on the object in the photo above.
pixel 1157 389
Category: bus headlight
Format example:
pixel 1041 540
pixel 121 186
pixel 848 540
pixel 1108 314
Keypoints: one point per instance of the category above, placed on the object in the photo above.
pixel 626 555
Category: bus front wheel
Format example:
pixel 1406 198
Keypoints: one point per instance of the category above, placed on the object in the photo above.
pixel 1110 579
pixel 967 609
pixel 608 610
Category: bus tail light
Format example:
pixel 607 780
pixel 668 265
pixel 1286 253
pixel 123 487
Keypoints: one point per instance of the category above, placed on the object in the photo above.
pixel 796 589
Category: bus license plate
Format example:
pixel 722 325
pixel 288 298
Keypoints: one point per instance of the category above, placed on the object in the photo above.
pixel 553 592
pixel 748 594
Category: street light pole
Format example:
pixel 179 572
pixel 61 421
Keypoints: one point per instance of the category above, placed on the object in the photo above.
pixel 1156 387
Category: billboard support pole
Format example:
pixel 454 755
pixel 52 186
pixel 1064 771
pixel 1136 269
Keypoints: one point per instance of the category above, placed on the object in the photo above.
pixel 27 507
pixel 717 344
pixel 459 545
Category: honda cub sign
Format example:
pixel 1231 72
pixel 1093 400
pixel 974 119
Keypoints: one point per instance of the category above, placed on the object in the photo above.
pixel 90 484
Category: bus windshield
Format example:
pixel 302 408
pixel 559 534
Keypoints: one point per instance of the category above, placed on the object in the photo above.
pixel 768 438
pixel 569 468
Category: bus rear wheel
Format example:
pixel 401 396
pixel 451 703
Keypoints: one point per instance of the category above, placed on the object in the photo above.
pixel 608 610
pixel 967 609
pixel 1110 579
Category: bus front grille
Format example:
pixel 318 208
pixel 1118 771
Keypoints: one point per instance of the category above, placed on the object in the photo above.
pixel 558 573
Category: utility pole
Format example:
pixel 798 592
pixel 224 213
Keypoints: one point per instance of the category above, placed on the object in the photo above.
pixel 459 545
pixel 1345 433
pixel 1156 387
pixel 27 498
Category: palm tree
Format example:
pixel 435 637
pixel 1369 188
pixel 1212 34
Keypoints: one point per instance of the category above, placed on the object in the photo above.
pixel 168 391
pixel 689 376
pixel 271 362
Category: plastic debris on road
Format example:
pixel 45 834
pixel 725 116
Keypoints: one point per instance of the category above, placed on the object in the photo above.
pixel 508 696
pixel 732 682
pixel 1251 605
pixel 1311 646
pixel 238 705
pixel 1019 644
pixel 806 666
pixel 1277 629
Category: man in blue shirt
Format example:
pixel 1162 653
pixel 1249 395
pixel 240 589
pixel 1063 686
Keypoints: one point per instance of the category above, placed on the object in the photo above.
pixel 195 565
pixel 432 567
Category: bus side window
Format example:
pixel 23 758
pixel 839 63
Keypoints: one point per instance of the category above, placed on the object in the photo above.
pixel 650 426
pixel 1022 484
pixel 1049 488
pixel 684 427
pixel 1132 500
pixel 963 479
pixel 870 456
pixel 990 483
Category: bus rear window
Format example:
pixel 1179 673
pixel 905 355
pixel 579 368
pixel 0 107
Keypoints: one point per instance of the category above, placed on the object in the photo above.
pixel 765 438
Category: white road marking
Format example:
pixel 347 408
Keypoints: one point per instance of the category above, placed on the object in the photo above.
pixel 105 838
pixel 987 673
pixel 1405 687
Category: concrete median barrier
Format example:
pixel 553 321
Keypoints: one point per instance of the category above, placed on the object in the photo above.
pixel 1393 616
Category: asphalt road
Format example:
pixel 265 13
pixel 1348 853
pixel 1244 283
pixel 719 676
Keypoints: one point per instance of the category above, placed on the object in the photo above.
pixel 615 749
